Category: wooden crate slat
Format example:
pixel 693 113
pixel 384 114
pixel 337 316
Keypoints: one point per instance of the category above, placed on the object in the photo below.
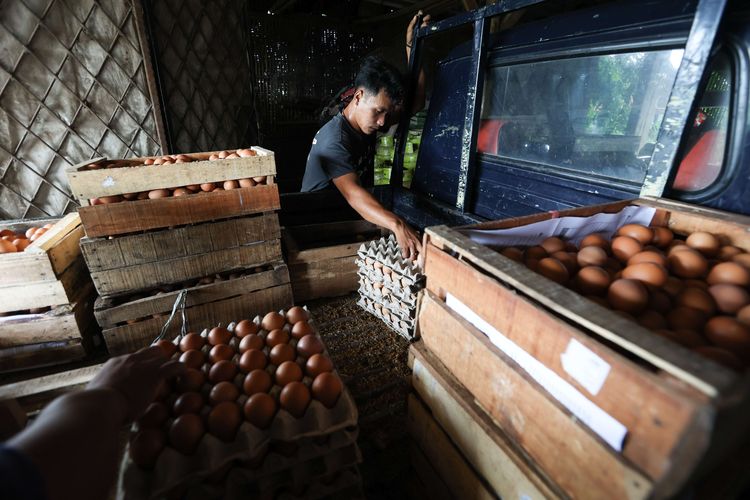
pixel 129 338
pixel 636 398
pixel 458 475
pixel 94 183
pixel 693 369
pixel 104 254
pixel 41 328
pixel 150 275
pixel 142 215
pixel 108 315
pixel 431 485
pixel 573 457
pixel 39 355
pixel 327 278
pixel 499 461
pixel 22 267
pixel 47 383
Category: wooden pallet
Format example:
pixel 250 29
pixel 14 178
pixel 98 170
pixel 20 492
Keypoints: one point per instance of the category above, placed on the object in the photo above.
pixel 502 464
pixel 677 406
pixel 137 262
pixel 321 257
pixel 207 305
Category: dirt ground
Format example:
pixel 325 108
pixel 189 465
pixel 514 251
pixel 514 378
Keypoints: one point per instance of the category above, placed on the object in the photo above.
pixel 372 360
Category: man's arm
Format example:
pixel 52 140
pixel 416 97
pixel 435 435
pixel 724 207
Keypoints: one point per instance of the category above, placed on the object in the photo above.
pixel 419 91
pixel 371 210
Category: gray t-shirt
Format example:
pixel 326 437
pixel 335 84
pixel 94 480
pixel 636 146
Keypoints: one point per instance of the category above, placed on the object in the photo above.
pixel 338 149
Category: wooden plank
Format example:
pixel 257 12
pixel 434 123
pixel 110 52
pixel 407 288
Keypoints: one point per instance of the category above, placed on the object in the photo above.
pixel 153 274
pixel 86 183
pixel 46 383
pixel 130 338
pixel 691 368
pixel 495 457
pixel 308 234
pixel 434 487
pixel 109 315
pixel 325 253
pixel 462 481
pixel 579 462
pixel 104 254
pixel 35 328
pixel 636 398
pixel 25 267
pixel 142 215
pixel 328 278
pixel 39 355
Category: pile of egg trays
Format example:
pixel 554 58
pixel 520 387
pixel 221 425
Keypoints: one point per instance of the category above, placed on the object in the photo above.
pixel 389 285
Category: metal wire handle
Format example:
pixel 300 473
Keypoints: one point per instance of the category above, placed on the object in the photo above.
pixel 180 304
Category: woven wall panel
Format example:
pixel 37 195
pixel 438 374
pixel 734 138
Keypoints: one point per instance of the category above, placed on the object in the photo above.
pixel 72 87
pixel 205 78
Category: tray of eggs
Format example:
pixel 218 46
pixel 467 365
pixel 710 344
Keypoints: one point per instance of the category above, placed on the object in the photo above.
pixel 252 384
pixel 694 291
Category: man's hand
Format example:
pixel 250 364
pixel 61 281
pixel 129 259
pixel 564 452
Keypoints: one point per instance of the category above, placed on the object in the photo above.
pixel 412 25
pixel 408 240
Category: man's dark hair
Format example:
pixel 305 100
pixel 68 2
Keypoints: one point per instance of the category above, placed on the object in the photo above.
pixel 376 74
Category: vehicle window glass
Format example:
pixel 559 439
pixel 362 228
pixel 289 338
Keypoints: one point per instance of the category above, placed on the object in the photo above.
pixel 706 141
pixel 597 115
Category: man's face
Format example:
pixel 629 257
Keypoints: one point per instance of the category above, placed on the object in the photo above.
pixel 373 111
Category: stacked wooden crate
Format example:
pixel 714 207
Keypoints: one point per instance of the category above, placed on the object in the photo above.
pixel 147 239
pixel 46 298
pixel 593 404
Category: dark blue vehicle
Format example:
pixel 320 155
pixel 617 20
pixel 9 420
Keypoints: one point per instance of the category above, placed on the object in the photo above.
pixel 615 101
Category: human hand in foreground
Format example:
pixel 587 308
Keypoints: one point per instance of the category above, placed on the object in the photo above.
pixel 408 240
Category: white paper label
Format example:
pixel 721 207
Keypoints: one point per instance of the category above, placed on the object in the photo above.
pixel 585 366
pixel 599 421
pixel 108 181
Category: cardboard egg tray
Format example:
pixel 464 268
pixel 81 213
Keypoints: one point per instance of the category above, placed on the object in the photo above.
pixel 384 253
pixel 404 307
pixel 405 328
pixel 174 470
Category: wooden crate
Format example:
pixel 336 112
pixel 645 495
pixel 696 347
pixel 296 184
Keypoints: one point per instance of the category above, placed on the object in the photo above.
pixel 141 215
pixel 507 470
pixel 207 305
pixel 678 407
pixel 321 257
pixel 127 264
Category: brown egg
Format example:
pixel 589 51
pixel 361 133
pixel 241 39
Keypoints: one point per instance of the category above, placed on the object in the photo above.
pixel 257 381
pixel 742 259
pixel 181 192
pixel 220 352
pixel 155 415
pixel 728 251
pixel 659 301
pixel 721 356
pixel 273 321
pixel 729 272
pixel 553 269
pixel 221 371
pixel 688 264
pixel 625 247
pixel 294 398
pixel 224 420
pixel 252 359
pixel 568 259
pixel 729 298
pixel 552 245
pixel 673 286
pixel 512 253
pixel 287 372
pixel 251 341
pixel 652 320
pixel 535 252
pixel 317 364
pixel 276 337
pixel 247 183
pixel 686 318
pixel 208 187
pixel 167 347
pixel 190 380
pixel 260 409
pixel 639 233
pixel 223 391
pixel 695 283
pixel 592 280
pixel 309 345
pixel 743 315
pixel 697 298
pixel 301 329
pixel 282 352
pixel 592 256
pixel 146 446
pixel 595 240
pixel 193 358
pixel 327 388
pixel 158 193
pixel 648 256
pixel 627 295
pixel 231 185
pixel 646 272
pixel 188 402
pixel 191 341
pixel 727 332
pixel 295 314
pixel 245 328
pixel 705 243
pixel 106 200
pixel 219 335
pixel 662 237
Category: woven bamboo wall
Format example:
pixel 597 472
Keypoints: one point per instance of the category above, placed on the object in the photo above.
pixel 72 86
